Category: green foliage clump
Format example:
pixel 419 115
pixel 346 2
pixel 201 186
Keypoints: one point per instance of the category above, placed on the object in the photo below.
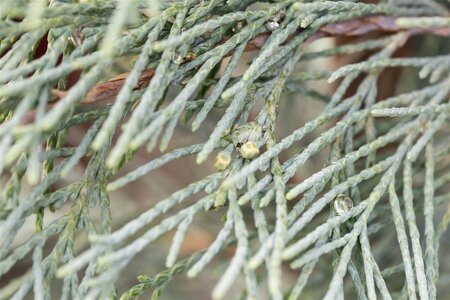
pixel 368 224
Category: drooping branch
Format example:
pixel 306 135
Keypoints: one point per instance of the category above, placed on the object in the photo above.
pixel 352 28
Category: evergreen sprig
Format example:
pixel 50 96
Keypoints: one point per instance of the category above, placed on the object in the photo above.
pixel 388 155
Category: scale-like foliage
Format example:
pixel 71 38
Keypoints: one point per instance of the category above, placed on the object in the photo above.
pixel 386 180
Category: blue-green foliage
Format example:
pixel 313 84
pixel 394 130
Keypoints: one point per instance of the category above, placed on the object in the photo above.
pixel 388 157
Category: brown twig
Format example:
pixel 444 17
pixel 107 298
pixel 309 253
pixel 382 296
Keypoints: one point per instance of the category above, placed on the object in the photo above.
pixel 353 28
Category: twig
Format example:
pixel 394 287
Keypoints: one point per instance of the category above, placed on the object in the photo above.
pixel 352 28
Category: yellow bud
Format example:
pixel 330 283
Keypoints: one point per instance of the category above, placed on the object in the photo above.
pixel 342 204
pixel 223 159
pixel 249 150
